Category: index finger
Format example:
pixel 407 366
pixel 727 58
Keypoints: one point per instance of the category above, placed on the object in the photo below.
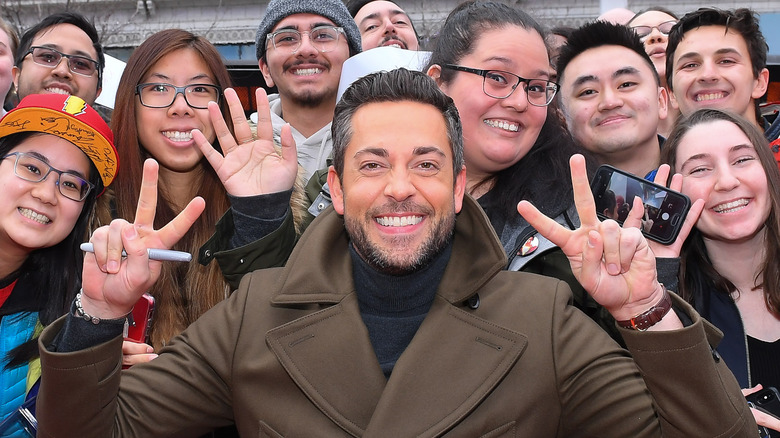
pixel 546 226
pixel 174 230
pixel 583 197
pixel 147 197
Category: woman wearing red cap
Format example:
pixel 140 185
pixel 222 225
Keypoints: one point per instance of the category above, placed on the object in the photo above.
pixel 56 157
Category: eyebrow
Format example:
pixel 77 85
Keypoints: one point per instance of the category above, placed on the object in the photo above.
pixel 295 26
pixel 584 79
pixel 723 51
pixel 508 62
pixel 706 154
pixel 60 49
pixel 628 70
pixel 45 159
pixel 194 78
pixel 375 15
pixel 382 152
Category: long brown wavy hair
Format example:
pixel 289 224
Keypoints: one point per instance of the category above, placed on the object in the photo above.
pixel 184 291
pixel 696 271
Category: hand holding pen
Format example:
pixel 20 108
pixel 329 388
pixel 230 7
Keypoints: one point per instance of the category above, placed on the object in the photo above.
pixel 122 265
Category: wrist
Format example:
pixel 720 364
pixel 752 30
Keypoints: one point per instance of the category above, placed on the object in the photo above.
pixel 86 309
pixel 643 320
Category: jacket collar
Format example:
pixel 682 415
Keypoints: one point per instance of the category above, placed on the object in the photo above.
pixel 475 259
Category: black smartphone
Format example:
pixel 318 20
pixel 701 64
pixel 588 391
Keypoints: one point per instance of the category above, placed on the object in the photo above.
pixel 614 191
pixel 767 400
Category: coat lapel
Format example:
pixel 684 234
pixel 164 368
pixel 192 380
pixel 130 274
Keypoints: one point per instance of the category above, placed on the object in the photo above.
pixel 440 379
pixel 329 356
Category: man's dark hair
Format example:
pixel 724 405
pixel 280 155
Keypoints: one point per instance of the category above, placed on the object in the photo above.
pixel 601 33
pixel 66 17
pixel 742 21
pixel 399 85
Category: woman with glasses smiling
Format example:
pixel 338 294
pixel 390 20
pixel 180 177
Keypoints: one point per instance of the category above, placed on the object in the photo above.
pixel 653 25
pixel 162 97
pixel 492 60
pixel 56 157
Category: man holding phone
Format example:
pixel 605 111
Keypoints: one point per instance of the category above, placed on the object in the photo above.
pixel 612 98
pixel 392 318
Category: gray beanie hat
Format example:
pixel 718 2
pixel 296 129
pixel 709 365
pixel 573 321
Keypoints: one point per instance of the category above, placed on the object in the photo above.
pixel 334 10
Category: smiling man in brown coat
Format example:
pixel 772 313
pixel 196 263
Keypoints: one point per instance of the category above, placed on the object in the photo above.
pixel 394 318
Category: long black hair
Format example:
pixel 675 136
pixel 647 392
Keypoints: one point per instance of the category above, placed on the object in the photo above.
pixel 52 276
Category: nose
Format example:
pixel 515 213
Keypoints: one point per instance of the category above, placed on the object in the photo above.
pixel 62 69
pixel 399 185
pixel 518 100
pixel 609 99
pixel 655 37
pixel 389 28
pixel 46 190
pixel 179 106
pixel 708 71
pixel 727 179
pixel 306 48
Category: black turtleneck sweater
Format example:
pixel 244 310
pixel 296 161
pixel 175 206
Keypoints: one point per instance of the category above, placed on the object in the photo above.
pixel 392 306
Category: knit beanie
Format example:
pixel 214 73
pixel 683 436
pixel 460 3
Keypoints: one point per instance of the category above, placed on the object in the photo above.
pixel 334 10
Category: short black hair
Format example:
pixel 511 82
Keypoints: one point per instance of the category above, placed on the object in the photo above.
pixel 66 17
pixel 601 33
pixel 743 21
pixel 397 85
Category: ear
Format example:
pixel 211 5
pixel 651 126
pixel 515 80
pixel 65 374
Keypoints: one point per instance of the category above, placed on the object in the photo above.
pixel 99 90
pixel 673 101
pixel 265 71
pixel 435 73
pixel 762 83
pixel 460 189
pixel 15 71
pixel 336 191
pixel 663 103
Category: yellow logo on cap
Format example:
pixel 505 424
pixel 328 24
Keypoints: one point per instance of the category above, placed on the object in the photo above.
pixel 75 106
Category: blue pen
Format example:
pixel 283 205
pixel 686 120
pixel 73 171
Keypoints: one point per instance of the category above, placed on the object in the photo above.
pixel 163 255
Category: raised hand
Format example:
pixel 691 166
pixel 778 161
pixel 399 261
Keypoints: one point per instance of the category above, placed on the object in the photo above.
pixel 111 283
pixel 615 265
pixel 250 166
pixel 634 218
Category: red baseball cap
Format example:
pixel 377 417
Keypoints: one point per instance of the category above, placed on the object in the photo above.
pixel 70 118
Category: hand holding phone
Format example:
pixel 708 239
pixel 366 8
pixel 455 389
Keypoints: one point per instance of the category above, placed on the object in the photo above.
pixel 766 400
pixel 664 209
pixel 140 320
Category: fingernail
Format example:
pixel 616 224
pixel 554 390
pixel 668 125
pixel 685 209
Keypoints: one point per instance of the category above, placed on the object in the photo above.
pixel 153 357
pixel 149 350
pixel 113 266
pixel 613 269
pixel 131 233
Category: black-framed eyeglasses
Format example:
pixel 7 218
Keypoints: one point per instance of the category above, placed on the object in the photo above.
pixel 51 58
pixel 501 84
pixel 31 168
pixel 323 38
pixel 664 28
pixel 161 95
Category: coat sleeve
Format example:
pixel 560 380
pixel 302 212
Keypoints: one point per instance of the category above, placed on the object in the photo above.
pixel 673 387
pixel 183 392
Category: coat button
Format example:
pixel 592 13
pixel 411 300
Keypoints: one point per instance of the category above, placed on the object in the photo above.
pixel 207 253
pixel 715 355
pixel 473 302
pixel 321 206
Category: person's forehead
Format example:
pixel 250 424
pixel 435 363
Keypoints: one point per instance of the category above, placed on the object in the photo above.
pixel 379 7
pixel 302 22
pixel 651 18
pixel 67 38
pixel 712 35
pixel 612 59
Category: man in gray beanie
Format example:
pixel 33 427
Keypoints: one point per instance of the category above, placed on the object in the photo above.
pixel 301 47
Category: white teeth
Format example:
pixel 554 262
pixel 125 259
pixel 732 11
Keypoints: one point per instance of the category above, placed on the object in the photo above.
pixel 512 127
pixel 178 135
pixel 56 91
pixel 709 96
pixel 396 221
pixel 731 206
pixel 307 71
pixel 29 214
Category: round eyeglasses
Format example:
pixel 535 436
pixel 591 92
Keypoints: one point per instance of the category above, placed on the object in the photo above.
pixel 664 28
pixel 160 95
pixel 48 57
pixel 31 168
pixel 323 38
pixel 501 84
